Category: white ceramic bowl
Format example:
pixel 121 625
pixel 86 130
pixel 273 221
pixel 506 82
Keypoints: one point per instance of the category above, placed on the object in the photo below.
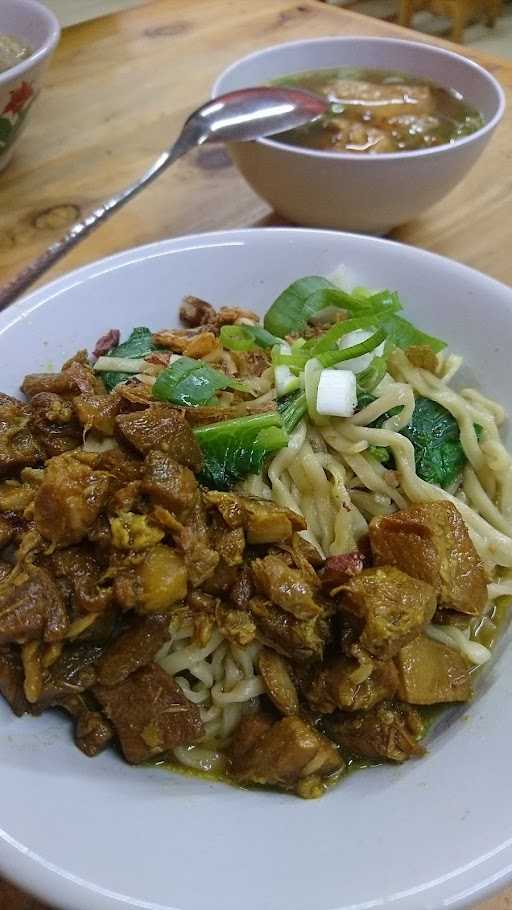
pixel 36 25
pixel 350 191
pixel 96 834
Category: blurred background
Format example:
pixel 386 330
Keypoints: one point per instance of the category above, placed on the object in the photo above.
pixel 466 21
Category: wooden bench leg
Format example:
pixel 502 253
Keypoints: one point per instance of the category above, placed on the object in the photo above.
pixel 459 22
pixel 406 11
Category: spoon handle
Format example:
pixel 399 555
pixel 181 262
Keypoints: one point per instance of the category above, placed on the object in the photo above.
pixel 81 229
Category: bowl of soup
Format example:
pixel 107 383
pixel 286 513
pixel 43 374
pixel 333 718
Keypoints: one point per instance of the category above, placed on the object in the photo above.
pixel 406 122
pixel 29 33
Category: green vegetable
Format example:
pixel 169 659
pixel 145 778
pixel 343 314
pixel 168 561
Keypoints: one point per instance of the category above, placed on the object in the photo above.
pixel 403 334
pixel 247 337
pixel 368 379
pixel 329 340
pixel 138 345
pixel 435 436
pixel 291 310
pixel 292 409
pixel 330 358
pixel 379 453
pixel 234 448
pixel 191 382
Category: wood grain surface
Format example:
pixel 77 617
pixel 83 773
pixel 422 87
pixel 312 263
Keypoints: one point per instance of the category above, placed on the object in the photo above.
pixel 118 91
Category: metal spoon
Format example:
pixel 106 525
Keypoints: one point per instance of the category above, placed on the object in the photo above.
pixel 249 113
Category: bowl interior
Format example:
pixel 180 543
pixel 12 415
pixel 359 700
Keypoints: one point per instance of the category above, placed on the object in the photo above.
pixel 444 67
pixel 28 21
pixel 433 833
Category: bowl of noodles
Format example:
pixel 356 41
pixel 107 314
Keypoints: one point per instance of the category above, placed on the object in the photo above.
pixel 256 536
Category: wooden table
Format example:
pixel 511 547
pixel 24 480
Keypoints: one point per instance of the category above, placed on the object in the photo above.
pixel 117 93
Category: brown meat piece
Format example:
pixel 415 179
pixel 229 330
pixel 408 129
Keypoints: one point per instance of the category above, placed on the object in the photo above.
pixel 289 751
pixel 93 733
pixel 169 484
pixel 350 685
pixel 97 412
pixel 75 378
pixel 15 496
pixel 194 312
pixel 121 465
pixel 242 590
pixel 31 607
pixel 133 649
pixel 72 673
pixel 193 539
pixel 150 714
pixel 393 607
pixel 432 673
pixel 237 626
pixel 163 577
pixel 160 427
pixel 263 521
pixel 229 544
pixel 278 682
pixel 55 424
pixel 286 587
pixel 251 728
pixel 431 542
pixel 154 582
pixel 12 678
pixel 294 638
pixel 77 573
pixel 19 446
pixel 70 498
pixel 386 731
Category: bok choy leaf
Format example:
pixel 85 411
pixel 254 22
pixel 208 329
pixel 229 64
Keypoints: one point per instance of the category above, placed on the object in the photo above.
pixel 191 382
pixel 234 448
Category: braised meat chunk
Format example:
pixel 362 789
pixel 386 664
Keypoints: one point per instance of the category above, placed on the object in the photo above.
pixel 150 714
pixel 264 521
pixel 352 685
pixel 133 649
pixel 388 731
pixel 286 587
pixel 393 608
pixel 278 682
pixel 70 498
pixel 12 679
pixel 160 427
pixel 169 484
pixel 19 446
pixel 31 607
pixel 431 542
pixel 297 639
pixel 287 752
pixel 432 673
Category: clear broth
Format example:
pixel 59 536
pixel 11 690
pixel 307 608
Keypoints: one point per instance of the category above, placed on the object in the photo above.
pixel 378 111
pixel 12 52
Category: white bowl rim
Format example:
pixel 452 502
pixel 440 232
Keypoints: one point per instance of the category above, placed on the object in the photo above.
pixel 37 9
pixel 384 156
